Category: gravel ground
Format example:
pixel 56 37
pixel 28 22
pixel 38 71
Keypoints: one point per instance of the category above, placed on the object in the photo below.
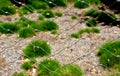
pixel 65 49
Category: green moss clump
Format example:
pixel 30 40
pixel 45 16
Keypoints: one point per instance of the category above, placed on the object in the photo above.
pixel 26 9
pixel 109 54
pixel 75 35
pixel 26 66
pixel 48 26
pixel 37 48
pixel 114 74
pixel 95 30
pixel 20 74
pixel 59 14
pixel 26 32
pixel 85 30
pixel 97 2
pixel 48 13
pixel 8 28
pixel 29 23
pixel 41 17
pixel 81 4
pixel 71 70
pixel 7 11
pixel 48 67
pixel 39 5
pixel 73 17
pixel 91 22
pixel 54 3
pixel 92 13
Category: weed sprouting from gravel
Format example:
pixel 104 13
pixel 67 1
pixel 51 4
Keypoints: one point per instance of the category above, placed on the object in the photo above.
pixel 109 54
pixel 26 32
pixel 37 48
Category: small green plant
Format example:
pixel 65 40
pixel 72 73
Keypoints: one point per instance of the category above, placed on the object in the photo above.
pixel 48 13
pixel 26 32
pixel 92 13
pixel 37 48
pixel 48 67
pixel 26 9
pixel 41 17
pixel 8 28
pixel 109 54
pixel 85 30
pixel 26 66
pixel 73 17
pixel 114 74
pixel 91 22
pixel 20 74
pixel 71 70
pixel 81 4
pixel 54 32
pixel 7 11
pixel 54 3
pixel 97 2
pixel 48 26
pixel 59 14
pixel 29 23
pixel 39 5
pixel 5 3
pixel 75 35
pixel 95 30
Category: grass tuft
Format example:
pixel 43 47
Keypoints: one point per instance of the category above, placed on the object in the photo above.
pixel 37 48
pixel 91 23
pixel 26 32
pixel 20 74
pixel 109 54
pixel 48 67
pixel 8 28
pixel 48 13
pixel 48 26
pixel 81 4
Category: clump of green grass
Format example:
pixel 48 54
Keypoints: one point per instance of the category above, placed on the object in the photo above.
pixel 109 54
pixel 29 23
pixel 95 30
pixel 54 3
pixel 20 74
pixel 101 16
pixel 54 32
pixel 114 74
pixel 48 13
pixel 59 14
pixel 81 4
pixel 97 2
pixel 91 22
pixel 8 28
pixel 39 5
pixel 92 13
pixel 7 11
pixel 37 48
pixel 48 67
pixel 86 30
pixel 71 70
pixel 75 35
pixel 73 17
pixel 26 9
pixel 26 66
pixel 48 26
pixel 5 3
pixel 41 18
pixel 26 32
